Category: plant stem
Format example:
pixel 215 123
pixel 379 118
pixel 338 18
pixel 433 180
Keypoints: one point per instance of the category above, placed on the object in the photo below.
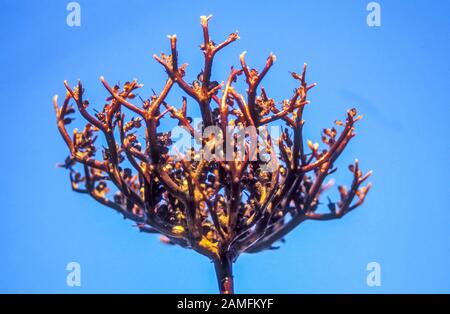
pixel 224 273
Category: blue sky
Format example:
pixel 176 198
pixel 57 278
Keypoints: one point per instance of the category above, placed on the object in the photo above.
pixel 397 75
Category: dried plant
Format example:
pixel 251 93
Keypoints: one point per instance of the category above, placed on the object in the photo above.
pixel 219 208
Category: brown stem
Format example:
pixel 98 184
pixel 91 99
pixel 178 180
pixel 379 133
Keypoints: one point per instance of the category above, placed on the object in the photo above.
pixel 224 273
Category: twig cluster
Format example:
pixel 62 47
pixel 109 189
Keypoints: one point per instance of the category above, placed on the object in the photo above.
pixel 217 208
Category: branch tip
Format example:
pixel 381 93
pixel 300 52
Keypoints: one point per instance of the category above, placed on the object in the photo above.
pixel 204 19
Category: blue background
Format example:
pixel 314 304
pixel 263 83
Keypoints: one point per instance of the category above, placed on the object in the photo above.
pixel 397 75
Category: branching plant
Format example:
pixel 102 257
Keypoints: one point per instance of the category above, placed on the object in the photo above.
pixel 220 207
